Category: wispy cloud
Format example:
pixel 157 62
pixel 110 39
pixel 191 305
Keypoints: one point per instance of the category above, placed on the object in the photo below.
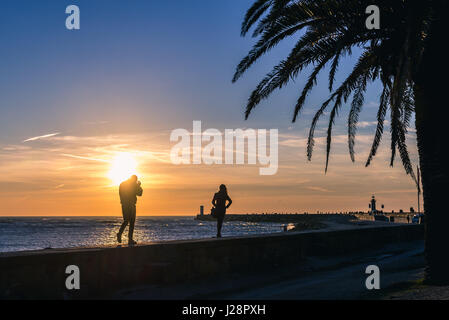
pixel 365 124
pixel 95 123
pixel 318 189
pixel 84 158
pixel 41 137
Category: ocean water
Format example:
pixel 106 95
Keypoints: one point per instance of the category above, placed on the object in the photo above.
pixel 34 233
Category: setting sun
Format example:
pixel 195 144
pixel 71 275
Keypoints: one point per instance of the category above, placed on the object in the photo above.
pixel 123 166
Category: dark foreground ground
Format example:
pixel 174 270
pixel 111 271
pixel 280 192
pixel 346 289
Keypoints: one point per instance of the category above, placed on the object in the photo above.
pixel 341 277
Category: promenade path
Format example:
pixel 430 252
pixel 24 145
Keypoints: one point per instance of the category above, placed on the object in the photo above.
pixel 337 277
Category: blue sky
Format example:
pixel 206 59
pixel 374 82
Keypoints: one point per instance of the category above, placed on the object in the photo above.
pixel 138 68
pixel 177 55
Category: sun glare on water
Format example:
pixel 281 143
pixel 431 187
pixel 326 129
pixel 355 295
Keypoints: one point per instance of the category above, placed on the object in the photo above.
pixel 123 166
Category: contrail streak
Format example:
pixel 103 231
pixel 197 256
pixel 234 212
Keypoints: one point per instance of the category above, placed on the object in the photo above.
pixel 41 137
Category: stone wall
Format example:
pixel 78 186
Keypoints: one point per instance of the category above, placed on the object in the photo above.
pixel 41 274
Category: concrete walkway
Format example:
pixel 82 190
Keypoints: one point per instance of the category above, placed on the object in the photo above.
pixel 341 277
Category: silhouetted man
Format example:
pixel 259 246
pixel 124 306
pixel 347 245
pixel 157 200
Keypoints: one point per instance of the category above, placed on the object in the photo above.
pixel 128 191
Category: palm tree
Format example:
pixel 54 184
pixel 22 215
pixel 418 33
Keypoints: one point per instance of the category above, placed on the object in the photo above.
pixel 405 55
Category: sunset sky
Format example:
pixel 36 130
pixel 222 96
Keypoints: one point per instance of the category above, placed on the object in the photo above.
pixel 71 102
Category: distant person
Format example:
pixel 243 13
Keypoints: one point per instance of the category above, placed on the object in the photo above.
pixel 219 202
pixel 408 219
pixel 128 191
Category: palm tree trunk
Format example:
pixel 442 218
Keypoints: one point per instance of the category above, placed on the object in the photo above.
pixel 432 125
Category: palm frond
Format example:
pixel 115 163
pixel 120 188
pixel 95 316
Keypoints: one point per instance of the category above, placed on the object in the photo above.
pixel 333 69
pixel 353 118
pixel 254 13
pixel 361 69
pixel 328 30
pixel 381 113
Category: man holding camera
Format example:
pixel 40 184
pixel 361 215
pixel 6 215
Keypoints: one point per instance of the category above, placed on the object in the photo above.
pixel 128 191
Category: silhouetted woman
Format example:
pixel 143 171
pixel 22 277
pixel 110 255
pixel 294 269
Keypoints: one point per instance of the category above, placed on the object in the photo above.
pixel 219 202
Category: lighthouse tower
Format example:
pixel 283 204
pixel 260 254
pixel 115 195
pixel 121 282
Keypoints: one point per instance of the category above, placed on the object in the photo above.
pixel 373 205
